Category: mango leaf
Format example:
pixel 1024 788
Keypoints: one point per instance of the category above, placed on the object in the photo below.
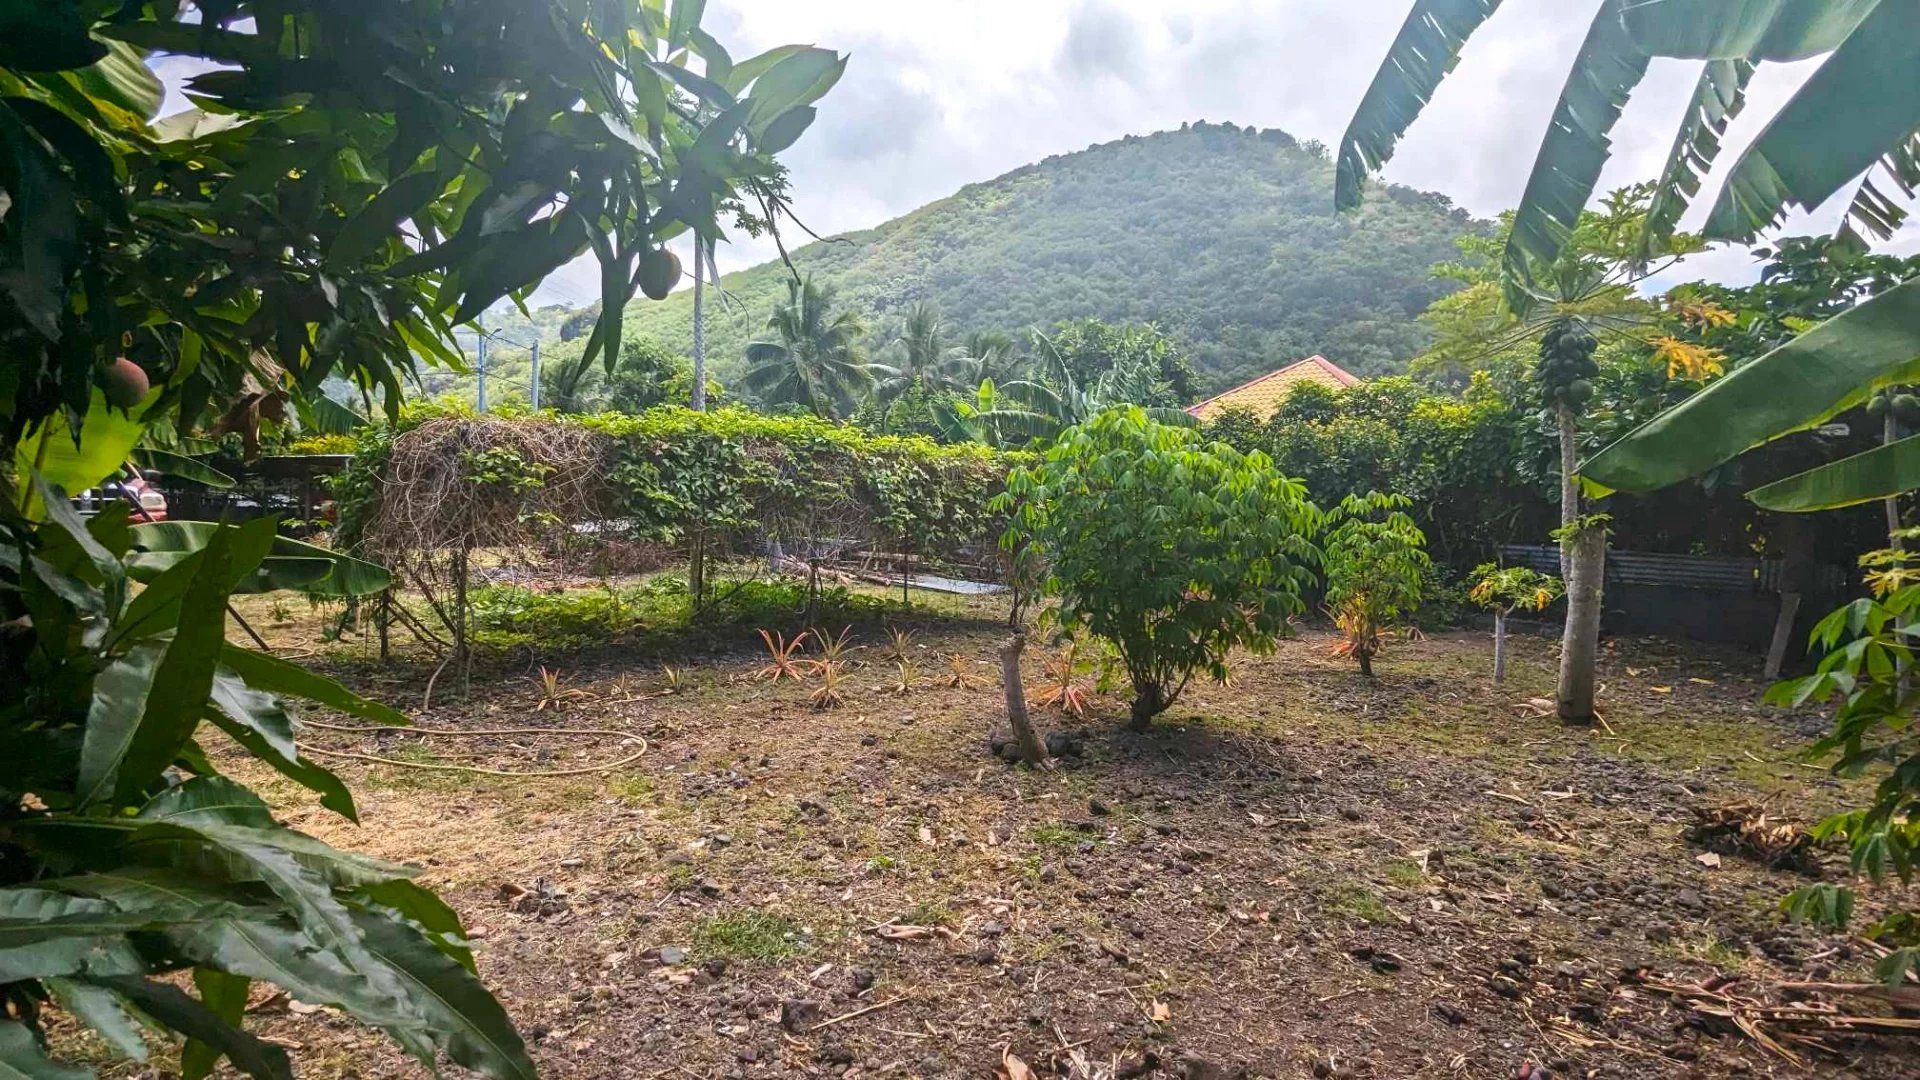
pixel 379 220
pixel 172 1007
pixel 801 78
pixel 22 1059
pixel 1796 386
pixel 31 916
pixel 123 78
pixel 683 21
pixel 1862 103
pixel 1876 474
pixel 333 792
pixel 147 703
pixel 289 565
pixel 225 996
pixel 103 1011
pixel 107 436
pixel 1423 53
pixel 463 1019
pixel 786 129
pixel 277 676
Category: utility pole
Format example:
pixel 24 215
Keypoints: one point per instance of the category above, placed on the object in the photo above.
pixel 480 399
pixel 536 374
pixel 700 255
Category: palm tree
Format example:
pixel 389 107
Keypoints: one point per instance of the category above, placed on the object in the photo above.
pixel 1860 112
pixel 926 364
pixel 566 384
pixel 988 355
pixel 813 358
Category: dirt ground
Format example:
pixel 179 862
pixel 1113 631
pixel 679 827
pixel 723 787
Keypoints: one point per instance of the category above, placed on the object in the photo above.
pixel 1303 874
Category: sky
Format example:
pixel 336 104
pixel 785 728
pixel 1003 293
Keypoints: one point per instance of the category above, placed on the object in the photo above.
pixel 942 93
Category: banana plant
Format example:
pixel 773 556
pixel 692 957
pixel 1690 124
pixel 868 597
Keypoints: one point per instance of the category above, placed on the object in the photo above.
pixel 1855 121
pixel 131 857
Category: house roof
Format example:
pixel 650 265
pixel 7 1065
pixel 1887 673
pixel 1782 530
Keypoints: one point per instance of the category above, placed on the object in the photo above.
pixel 1262 396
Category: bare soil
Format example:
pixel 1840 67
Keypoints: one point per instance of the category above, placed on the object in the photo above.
pixel 1303 874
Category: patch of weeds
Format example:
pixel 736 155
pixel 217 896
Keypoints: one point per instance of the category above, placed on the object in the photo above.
pixel 680 876
pixel 1031 867
pixel 630 788
pixel 880 864
pixel 1357 902
pixel 1062 834
pixel 1405 873
pixel 926 913
pixel 398 776
pixel 747 935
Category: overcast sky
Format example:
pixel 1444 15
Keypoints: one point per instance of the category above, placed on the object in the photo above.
pixel 941 93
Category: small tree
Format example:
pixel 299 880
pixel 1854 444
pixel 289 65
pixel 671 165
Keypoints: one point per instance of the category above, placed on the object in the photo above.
pixel 1376 558
pixel 1504 590
pixel 1174 549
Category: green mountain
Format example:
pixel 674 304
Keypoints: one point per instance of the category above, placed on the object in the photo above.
pixel 1225 236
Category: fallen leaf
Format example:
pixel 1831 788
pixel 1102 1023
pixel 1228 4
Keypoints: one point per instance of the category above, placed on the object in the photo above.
pixel 1702 682
pixel 1708 859
pixel 1012 1068
pixel 1261 820
pixel 926 835
pixel 1160 1014
pixel 1662 689
pixel 903 932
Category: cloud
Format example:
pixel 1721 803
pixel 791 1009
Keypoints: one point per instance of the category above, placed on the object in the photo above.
pixel 1102 42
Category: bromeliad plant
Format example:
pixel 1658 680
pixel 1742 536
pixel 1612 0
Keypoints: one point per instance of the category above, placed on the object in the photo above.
pixel 1503 590
pixel 1869 668
pixel 1175 549
pixel 1376 560
pixel 126 856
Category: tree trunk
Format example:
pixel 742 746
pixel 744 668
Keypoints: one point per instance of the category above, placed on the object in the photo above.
pixel 1031 749
pixel 699 400
pixel 1569 489
pixel 1366 663
pixel 1585 553
pixel 1499 647
pixel 1148 702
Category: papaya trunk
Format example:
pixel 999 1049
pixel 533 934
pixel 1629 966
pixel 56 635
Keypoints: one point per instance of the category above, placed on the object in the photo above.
pixel 1499 647
pixel 1585 553
pixel 1569 488
pixel 1031 749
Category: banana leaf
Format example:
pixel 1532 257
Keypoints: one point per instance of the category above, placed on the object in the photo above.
pixel 1862 104
pixel 1425 51
pixel 1799 385
pixel 181 467
pixel 1876 474
pixel 292 564
pixel 107 436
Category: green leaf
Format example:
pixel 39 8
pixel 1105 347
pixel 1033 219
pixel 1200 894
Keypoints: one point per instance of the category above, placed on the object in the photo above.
pixel 1575 149
pixel 1423 53
pixel 1862 103
pixel 123 78
pixel 225 996
pixel 1775 30
pixel 147 703
pixel 1718 97
pixel 333 792
pixel 107 436
pixel 786 129
pixel 379 220
pixel 463 1019
pixel 172 1007
pixel 22 1059
pixel 277 676
pixel 103 1011
pixel 1797 385
pixel 290 564
pixel 181 467
pixel 801 78
pixel 31 916
pixel 683 21
pixel 1876 474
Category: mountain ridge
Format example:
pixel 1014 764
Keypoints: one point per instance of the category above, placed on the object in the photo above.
pixel 1224 236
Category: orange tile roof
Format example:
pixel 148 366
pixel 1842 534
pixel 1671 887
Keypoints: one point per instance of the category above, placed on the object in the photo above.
pixel 1262 396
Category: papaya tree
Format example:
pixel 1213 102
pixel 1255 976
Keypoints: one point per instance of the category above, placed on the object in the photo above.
pixel 352 184
pixel 1173 549
pixel 1503 590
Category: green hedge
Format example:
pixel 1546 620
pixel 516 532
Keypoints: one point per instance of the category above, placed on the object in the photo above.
pixel 674 474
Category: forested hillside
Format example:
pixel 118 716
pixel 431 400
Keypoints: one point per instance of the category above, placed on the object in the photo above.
pixel 1225 236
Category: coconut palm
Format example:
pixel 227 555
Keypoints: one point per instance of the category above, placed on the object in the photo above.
pixel 1041 407
pixel 988 355
pixel 925 363
pixel 812 357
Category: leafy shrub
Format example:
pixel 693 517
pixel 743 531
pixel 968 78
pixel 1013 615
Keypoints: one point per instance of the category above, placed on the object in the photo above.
pixel 1376 563
pixel 1869 665
pixel 508 616
pixel 331 443
pixel 1175 549
pixel 1506 589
